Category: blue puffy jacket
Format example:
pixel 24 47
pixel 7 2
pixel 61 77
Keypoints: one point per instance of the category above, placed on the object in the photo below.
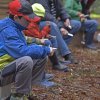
pixel 13 43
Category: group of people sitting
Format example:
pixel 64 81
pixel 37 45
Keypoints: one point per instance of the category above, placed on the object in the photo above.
pixel 49 27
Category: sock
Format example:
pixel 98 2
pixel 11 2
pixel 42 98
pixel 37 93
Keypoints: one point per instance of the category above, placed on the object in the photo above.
pixel 66 57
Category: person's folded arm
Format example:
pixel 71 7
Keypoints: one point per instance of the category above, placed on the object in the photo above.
pixel 69 8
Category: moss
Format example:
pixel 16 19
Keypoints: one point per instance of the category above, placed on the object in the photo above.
pixel 95 15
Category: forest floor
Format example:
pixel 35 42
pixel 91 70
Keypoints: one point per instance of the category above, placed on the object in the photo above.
pixel 81 83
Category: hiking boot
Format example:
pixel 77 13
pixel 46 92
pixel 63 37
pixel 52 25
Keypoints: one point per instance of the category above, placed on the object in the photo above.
pixel 61 67
pixel 23 97
pixel 66 62
pixel 46 84
pixel 70 57
pixel 91 46
pixel 56 63
pixel 8 98
pixel 48 77
pixel 31 96
pixel 16 96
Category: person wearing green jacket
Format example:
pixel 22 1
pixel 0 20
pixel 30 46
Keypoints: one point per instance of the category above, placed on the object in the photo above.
pixel 74 9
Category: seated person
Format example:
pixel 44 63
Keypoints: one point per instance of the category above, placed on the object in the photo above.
pixel 28 60
pixel 33 30
pixel 52 15
pixel 74 9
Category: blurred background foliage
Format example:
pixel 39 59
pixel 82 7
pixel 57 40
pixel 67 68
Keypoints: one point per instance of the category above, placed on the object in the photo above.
pixel 96 7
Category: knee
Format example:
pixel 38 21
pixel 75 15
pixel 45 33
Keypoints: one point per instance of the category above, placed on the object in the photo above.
pixel 95 23
pixel 52 24
pixel 27 62
pixel 76 25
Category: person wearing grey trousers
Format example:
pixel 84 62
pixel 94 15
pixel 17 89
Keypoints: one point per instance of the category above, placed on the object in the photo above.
pixel 25 61
pixel 28 71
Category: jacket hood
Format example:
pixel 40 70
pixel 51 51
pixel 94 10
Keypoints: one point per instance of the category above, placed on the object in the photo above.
pixel 4 23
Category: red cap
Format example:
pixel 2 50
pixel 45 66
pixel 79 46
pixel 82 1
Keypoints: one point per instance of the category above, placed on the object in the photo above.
pixel 20 7
pixel 14 7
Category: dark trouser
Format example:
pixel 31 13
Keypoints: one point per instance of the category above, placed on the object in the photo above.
pixel 28 72
pixel 90 27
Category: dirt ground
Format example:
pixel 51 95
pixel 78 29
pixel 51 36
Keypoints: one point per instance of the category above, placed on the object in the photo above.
pixel 81 83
